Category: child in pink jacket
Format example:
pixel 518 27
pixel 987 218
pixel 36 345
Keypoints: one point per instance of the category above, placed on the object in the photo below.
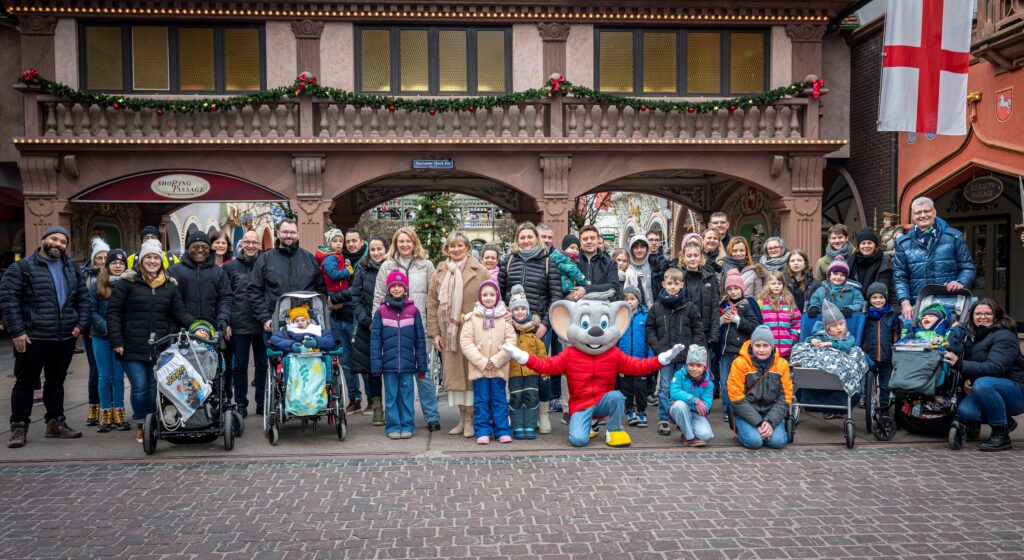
pixel 779 312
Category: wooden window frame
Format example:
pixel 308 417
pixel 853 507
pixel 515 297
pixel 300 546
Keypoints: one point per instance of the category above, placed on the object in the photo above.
pixel 433 59
pixel 219 75
pixel 725 46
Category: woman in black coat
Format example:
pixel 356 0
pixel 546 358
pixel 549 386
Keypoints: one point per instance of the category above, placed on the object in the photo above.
pixel 360 296
pixel 993 371
pixel 530 266
pixel 799 279
pixel 144 305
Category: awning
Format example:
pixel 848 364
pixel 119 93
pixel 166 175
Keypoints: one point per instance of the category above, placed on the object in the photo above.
pixel 179 186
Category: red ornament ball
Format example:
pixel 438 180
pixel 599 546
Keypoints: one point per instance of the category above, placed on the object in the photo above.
pixel 159 112
pixel 690 110
pixel 433 112
pixel 391 108
pixel 213 107
pixel 117 107
pixel 643 107
pixel 472 109
pixel 732 108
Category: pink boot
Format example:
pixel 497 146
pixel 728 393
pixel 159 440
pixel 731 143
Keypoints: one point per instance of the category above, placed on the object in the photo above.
pixel 483 440
pixel 505 439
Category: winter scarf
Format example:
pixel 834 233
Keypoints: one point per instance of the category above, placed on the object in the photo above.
pixel 449 295
pixel 532 252
pixel 865 268
pixel 776 263
pixel 845 250
pixel 395 303
pixel 926 238
pixel 642 271
pixel 357 257
pixel 876 313
pixel 490 313
pixel 671 302
pixel 729 263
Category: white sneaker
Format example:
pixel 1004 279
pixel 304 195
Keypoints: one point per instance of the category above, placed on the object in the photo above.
pixel 543 422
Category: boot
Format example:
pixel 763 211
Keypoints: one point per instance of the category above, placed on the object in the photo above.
pixel 139 434
pixel 467 423
pixel 998 441
pixel 460 426
pixel 58 428
pixel 92 415
pixel 368 411
pixel 19 435
pixel 378 411
pixel 543 422
pixel 117 418
pixel 106 419
pixel 353 406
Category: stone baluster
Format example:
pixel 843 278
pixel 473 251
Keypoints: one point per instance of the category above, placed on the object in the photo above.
pixel 406 124
pixel 103 123
pixel 620 121
pixel 390 124
pixel 777 126
pixel 289 118
pixel 324 125
pixel 538 120
pixel 50 122
pixel 357 123
pixel 237 124
pixel 668 128
pixel 636 123
pixel 654 118
pixel 506 123
pixel 588 120
pixel 341 125
pixel 258 120
pixel 521 124
pixel 222 124
pixel 794 122
pixel 489 123
pixel 749 113
pixel 424 124
pixel 374 123
pixel 171 124
pixel 730 126
pixel 604 121
pixel 68 128
pixel 204 124
pixel 715 124
pixel 439 128
pixel 573 130
pixel 762 121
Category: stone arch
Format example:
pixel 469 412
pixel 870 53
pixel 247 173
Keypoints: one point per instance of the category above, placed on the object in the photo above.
pixel 173 237
pixel 841 201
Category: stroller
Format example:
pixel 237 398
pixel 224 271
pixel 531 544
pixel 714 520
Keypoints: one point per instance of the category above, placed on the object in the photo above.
pixel 813 378
pixel 307 385
pixel 925 389
pixel 190 405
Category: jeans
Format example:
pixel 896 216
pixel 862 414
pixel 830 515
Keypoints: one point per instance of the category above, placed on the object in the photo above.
pixel 140 375
pixel 992 401
pixel 428 398
pixel 884 371
pixel 243 344
pixel 610 406
pixel 110 373
pixel 664 399
pixel 524 402
pixel 342 331
pixel 51 358
pixel 750 438
pixel 94 396
pixel 399 399
pixel 551 388
pixel 490 407
pixel 693 425
pixel 724 365
pixel 372 384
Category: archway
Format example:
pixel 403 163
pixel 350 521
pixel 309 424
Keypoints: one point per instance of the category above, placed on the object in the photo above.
pixel 173 238
pixel 841 202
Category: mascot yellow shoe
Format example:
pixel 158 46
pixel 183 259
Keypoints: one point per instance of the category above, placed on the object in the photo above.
pixel 617 439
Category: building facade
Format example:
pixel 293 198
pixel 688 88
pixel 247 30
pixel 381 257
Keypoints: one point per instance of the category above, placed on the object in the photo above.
pixel 332 160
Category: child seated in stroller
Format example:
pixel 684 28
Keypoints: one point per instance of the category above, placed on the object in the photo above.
pixel 934 326
pixel 301 334
pixel 834 349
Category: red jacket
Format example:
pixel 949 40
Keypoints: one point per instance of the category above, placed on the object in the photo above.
pixel 591 377
pixel 342 270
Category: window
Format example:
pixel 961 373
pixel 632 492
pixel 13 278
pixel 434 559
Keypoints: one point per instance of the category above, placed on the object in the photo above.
pixel 172 58
pixel 680 61
pixel 433 60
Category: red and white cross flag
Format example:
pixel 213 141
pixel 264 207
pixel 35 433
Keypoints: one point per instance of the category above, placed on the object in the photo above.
pixel 924 69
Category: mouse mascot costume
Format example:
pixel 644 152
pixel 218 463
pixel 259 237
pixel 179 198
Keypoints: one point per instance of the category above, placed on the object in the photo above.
pixel 592 363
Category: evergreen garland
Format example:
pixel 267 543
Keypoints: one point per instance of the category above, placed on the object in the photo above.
pixel 306 84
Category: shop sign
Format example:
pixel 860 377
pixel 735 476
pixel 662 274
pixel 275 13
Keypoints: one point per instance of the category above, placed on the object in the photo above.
pixel 180 186
pixel 1004 104
pixel 983 190
pixel 433 164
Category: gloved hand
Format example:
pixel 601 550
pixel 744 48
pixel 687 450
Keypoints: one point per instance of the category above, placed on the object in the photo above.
pixel 521 356
pixel 847 312
pixel 666 357
pixel 422 375
pixel 309 342
pixel 296 348
pixel 813 312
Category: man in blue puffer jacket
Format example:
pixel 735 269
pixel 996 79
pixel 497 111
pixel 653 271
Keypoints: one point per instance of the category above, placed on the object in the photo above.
pixel 931 253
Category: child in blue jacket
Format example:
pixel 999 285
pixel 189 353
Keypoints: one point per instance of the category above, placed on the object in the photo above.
pixel 692 392
pixel 881 330
pixel 634 343
pixel 301 334
pixel 838 290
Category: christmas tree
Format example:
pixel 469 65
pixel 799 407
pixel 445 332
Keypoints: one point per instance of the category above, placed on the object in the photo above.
pixel 436 217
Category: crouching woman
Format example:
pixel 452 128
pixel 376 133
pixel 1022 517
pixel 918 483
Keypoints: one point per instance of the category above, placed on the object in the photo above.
pixel 760 392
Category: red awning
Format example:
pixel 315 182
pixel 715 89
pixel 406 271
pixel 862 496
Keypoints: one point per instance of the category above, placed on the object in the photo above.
pixel 179 187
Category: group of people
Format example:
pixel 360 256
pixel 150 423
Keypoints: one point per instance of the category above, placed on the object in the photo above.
pixel 721 318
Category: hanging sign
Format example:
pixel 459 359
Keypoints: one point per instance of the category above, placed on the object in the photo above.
pixel 983 190
pixel 433 164
pixel 180 186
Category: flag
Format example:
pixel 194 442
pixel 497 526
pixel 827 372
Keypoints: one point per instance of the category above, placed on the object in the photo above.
pixel 924 67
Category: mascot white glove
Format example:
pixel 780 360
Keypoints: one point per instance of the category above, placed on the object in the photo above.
pixel 666 357
pixel 518 355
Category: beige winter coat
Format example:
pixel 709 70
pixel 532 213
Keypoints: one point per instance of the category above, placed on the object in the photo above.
pixel 479 345
pixel 452 360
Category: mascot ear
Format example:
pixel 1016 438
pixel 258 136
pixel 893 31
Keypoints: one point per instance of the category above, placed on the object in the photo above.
pixel 620 310
pixel 560 315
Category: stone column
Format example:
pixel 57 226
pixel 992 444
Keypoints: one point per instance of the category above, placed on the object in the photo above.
pixel 553 34
pixel 806 38
pixel 308 204
pixel 307 45
pixel 555 203
pixel 42 207
pixel 800 214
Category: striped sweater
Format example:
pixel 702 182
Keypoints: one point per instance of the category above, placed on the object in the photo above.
pixel 784 322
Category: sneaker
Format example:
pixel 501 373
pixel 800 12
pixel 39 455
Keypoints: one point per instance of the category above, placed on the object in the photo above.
pixel 138 433
pixel 696 442
pixel 529 434
pixel 483 440
pixel 19 435
pixel 505 439
pixel 725 417
pixel 565 418
pixel 664 428
pixel 631 418
pixel 594 430
pixel 641 420
pixel 353 406
pixel 406 435
pixel 555 405
pixel 519 434
pixel 394 435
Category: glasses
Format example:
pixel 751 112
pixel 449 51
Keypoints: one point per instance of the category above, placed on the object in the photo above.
pixel 250 243
pixel 984 314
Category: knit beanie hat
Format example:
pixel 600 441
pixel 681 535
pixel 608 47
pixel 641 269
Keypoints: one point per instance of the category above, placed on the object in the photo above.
pixel 868 234
pixel 116 255
pixel 331 234
pixel 151 246
pixel 733 278
pixel 632 290
pixel 692 238
pixel 489 282
pixel 697 354
pixel 296 312
pixel 935 309
pixel 570 240
pixel 398 277
pixel 98 246
pixel 150 230
pixel 196 237
pixel 878 288
pixel 831 314
pixel 517 299
pixel 838 265
pixel 56 229
pixel 763 334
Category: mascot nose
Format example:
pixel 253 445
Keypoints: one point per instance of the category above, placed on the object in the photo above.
pixel 596 331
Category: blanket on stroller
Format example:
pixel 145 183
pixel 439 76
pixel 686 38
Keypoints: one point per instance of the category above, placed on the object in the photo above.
pixel 306 384
pixel 848 367
pixel 917 372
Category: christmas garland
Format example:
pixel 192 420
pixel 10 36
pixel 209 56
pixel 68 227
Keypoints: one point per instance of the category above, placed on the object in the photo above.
pixel 306 85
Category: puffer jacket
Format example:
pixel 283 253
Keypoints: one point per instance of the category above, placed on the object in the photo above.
pixel 398 341
pixel 881 330
pixel 280 271
pixel 540 280
pixel 98 313
pixel 359 296
pixel 847 298
pixel 419 273
pixel 668 325
pixel 591 377
pixel 136 312
pixel 683 388
pixel 336 270
pixel 568 271
pixel 480 345
pixel 205 289
pixel 526 340
pixel 602 272
pixel 732 336
pixel 239 271
pixel 865 273
pixel 284 339
pixel 992 354
pixel 914 267
pixel 703 291
pixel 634 341
pixel 28 299
pixel 801 296
pixel 784 322
pixel 760 394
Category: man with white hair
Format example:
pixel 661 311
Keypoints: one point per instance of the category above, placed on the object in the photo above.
pixel 931 253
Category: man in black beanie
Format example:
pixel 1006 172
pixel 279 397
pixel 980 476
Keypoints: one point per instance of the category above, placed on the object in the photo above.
pixel 205 287
pixel 151 232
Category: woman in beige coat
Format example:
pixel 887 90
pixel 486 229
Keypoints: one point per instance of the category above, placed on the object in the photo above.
pixel 484 331
pixel 451 295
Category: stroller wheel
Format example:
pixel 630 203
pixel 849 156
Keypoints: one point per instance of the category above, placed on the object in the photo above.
pixel 239 424
pixel 149 434
pixel 273 436
pixel 957 436
pixel 884 428
pixel 228 428
pixel 869 402
pixel 850 433
pixel 790 428
pixel 342 424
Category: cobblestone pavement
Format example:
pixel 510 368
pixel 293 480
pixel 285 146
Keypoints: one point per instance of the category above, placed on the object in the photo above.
pixel 866 503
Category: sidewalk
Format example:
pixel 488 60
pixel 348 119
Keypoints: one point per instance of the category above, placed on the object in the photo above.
pixel 365 440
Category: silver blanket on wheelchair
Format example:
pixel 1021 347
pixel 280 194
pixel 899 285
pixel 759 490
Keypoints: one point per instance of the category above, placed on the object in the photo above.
pixel 848 367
